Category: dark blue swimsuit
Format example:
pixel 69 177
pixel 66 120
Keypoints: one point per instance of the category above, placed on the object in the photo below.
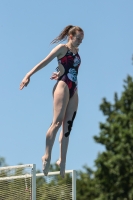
pixel 71 63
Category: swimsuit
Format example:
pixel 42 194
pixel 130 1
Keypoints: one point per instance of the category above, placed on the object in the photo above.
pixel 71 63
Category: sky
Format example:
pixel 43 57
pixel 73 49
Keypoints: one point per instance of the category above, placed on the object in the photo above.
pixel 26 30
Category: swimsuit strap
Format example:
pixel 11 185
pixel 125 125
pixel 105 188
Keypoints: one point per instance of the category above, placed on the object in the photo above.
pixel 70 49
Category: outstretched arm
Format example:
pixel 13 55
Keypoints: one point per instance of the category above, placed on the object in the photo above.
pixel 54 53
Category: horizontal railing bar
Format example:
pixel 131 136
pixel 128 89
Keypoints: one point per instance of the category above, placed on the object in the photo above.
pixel 15 177
pixel 29 175
pixel 52 173
pixel 16 166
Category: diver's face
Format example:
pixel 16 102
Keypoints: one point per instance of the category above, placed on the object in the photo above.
pixel 77 38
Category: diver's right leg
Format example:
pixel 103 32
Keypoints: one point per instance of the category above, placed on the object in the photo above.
pixel 60 102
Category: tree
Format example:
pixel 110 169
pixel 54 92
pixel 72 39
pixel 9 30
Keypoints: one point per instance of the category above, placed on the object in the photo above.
pixel 86 185
pixel 114 174
pixel 2 162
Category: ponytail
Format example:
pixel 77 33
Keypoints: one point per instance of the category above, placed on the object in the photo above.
pixel 70 29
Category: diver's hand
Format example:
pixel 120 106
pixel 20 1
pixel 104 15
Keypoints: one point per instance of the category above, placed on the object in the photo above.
pixel 24 82
pixel 55 75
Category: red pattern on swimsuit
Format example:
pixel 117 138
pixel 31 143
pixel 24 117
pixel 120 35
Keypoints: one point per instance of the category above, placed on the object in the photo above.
pixel 71 63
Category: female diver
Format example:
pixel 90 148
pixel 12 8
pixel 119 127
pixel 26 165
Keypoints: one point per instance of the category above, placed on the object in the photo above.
pixel 65 95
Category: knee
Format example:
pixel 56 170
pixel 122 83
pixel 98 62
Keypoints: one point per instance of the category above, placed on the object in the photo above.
pixel 56 125
pixel 70 124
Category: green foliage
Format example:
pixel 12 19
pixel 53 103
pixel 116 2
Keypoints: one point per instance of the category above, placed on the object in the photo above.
pixel 114 172
pixel 2 162
pixel 86 185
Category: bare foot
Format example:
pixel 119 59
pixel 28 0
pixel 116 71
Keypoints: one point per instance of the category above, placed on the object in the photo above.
pixel 45 165
pixel 58 162
pixel 62 167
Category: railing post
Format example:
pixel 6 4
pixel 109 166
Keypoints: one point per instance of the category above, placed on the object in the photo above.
pixel 74 185
pixel 34 182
